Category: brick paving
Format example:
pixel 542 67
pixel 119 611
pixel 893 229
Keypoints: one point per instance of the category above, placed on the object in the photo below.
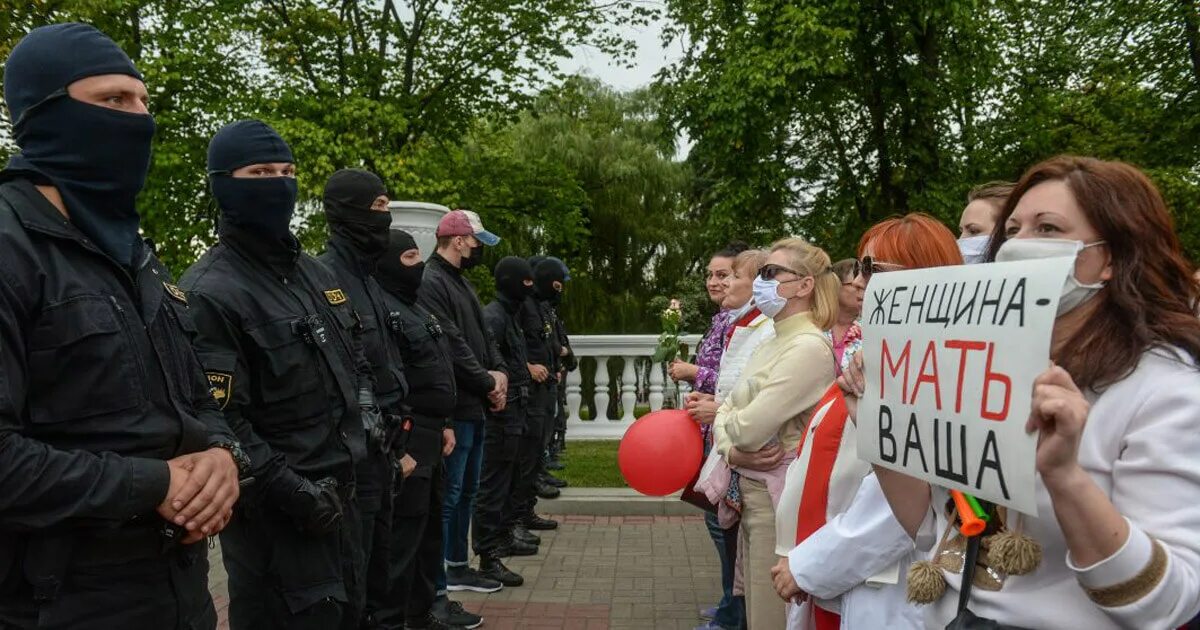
pixel 596 572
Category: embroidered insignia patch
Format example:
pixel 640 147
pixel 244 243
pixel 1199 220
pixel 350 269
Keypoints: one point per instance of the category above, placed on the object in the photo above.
pixel 335 296
pixel 221 386
pixel 175 292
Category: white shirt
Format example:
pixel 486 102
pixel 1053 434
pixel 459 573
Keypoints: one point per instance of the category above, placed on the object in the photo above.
pixel 856 563
pixel 1141 446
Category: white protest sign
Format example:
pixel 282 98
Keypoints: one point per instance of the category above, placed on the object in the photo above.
pixel 950 355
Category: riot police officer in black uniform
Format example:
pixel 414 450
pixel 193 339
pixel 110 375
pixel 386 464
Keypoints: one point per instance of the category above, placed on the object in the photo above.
pixel 537 326
pixel 550 277
pixel 114 459
pixel 416 548
pixel 277 340
pixel 495 506
pixel 356 209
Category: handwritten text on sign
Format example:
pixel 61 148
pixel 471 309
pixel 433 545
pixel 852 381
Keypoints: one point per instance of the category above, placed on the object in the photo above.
pixel 950 355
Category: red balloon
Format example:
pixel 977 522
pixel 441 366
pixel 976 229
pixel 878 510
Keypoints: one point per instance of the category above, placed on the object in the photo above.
pixel 661 452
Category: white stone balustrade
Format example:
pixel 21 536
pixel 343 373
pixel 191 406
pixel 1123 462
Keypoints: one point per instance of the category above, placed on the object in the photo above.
pixel 640 383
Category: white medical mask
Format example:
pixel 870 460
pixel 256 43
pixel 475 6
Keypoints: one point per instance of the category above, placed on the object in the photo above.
pixel 767 298
pixel 974 248
pixel 1074 292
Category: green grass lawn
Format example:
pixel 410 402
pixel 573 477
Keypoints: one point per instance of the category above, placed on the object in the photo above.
pixel 592 464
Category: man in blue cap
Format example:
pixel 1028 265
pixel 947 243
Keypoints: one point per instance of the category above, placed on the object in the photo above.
pixel 277 336
pixel 114 458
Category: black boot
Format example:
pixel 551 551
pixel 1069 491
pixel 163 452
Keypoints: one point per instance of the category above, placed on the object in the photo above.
pixel 524 535
pixel 551 480
pixel 494 569
pixel 537 523
pixel 430 622
pixel 516 548
pixel 547 492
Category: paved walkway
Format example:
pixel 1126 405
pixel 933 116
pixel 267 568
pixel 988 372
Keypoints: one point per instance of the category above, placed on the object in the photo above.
pixel 597 572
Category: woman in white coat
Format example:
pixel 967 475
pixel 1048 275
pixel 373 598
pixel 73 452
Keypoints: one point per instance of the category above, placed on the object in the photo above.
pixel 1118 417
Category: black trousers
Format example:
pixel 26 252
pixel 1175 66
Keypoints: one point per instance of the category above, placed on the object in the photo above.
pixel 375 518
pixel 491 524
pixel 280 577
pixel 549 404
pixel 108 584
pixel 560 416
pixel 415 552
pixel 530 461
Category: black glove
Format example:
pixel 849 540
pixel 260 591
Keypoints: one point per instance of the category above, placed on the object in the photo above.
pixel 397 430
pixel 317 507
pixel 372 419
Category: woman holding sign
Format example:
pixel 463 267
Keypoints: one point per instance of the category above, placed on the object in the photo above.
pixel 773 401
pixel 1117 413
pixel 844 553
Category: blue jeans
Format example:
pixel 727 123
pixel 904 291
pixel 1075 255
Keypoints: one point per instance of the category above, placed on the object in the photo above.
pixel 462 480
pixel 729 609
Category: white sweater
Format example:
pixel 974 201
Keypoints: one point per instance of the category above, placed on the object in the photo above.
pixel 1141 445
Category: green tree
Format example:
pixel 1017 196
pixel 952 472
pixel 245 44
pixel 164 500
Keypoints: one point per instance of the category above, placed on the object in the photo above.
pixel 346 82
pixel 185 51
pixel 825 117
pixel 586 174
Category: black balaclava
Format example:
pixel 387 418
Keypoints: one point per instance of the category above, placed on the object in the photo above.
pixel 95 156
pixel 548 271
pixel 262 205
pixel 511 273
pixel 349 194
pixel 394 275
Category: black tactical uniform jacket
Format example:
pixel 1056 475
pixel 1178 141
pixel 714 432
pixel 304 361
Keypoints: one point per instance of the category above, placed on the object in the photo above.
pixel 503 322
pixel 429 369
pixel 366 296
pixel 446 293
pixel 541 338
pixel 98 382
pixel 276 337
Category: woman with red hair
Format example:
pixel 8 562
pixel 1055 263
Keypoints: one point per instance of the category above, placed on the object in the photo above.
pixel 1118 474
pixel 843 551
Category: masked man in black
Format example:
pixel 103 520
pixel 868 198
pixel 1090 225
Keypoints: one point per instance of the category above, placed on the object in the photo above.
pixel 356 209
pixel 277 337
pixel 495 505
pixel 416 549
pixel 114 459
pixel 550 277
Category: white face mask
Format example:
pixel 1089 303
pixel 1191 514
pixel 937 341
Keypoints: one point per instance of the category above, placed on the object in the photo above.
pixel 1074 292
pixel 767 298
pixel 974 248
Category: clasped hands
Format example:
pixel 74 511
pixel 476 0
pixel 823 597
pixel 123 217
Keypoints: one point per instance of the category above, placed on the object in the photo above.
pixel 202 491
pixel 499 394
pixel 701 407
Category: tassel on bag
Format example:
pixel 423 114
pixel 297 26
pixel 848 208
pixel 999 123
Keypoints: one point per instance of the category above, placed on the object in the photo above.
pixel 1014 553
pixel 926 582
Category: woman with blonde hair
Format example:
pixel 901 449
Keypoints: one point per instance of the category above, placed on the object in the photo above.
pixel 844 553
pixel 773 401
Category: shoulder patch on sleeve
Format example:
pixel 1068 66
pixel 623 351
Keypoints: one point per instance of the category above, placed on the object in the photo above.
pixel 221 386
pixel 175 292
pixel 335 296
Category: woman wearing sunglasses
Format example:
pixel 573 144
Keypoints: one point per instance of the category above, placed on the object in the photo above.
pixel 843 551
pixel 774 399
pixel 1117 414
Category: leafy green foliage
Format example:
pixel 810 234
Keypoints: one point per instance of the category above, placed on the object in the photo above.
pixel 825 117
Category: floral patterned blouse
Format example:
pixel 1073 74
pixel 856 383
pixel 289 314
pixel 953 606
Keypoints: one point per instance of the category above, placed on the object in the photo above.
pixel 708 355
pixel 845 348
